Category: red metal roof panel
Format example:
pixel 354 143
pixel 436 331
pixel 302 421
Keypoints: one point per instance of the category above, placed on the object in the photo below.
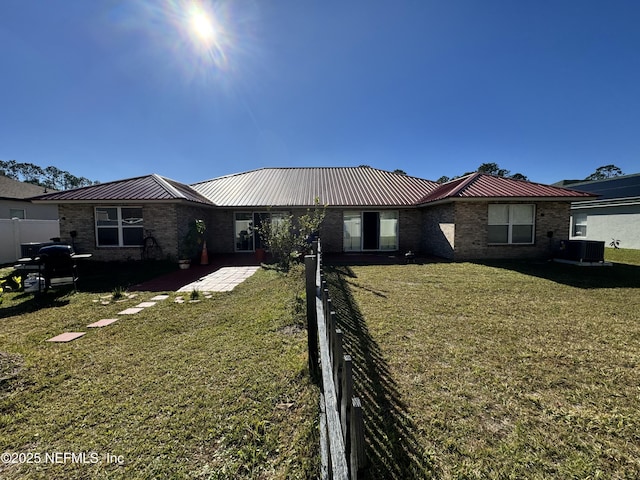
pixel 147 188
pixel 481 185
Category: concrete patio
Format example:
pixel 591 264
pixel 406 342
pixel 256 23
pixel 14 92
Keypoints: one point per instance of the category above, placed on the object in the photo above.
pixel 223 280
pixel 174 281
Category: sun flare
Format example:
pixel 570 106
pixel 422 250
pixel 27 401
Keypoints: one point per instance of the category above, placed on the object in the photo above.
pixel 202 26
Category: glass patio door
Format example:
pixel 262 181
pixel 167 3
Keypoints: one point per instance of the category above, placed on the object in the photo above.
pixel 370 231
pixel 352 232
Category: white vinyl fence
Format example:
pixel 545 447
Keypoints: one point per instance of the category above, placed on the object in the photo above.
pixel 15 232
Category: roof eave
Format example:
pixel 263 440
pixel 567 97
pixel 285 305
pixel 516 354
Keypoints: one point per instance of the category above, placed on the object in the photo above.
pixel 121 200
pixel 497 199
pixel 298 207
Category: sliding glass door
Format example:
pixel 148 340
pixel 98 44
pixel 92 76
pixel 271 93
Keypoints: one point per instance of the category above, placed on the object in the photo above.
pixel 352 232
pixel 247 227
pixel 370 231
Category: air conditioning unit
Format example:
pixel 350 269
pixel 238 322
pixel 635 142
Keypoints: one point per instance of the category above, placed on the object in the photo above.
pixel 582 250
pixel 30 250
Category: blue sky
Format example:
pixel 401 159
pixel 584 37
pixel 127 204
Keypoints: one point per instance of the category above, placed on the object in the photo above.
pixel 111 89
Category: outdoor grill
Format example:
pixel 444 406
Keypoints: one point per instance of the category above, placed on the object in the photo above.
pixel 57 265
pixel 54 265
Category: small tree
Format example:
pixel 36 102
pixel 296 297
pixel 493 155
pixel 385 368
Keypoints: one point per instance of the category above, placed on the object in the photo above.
pixel 288 238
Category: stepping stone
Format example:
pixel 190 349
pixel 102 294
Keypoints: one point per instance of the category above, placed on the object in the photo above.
pixel 157 298
pixel 66 337
pixel 145 304
pixel 130 311
pixel 103 323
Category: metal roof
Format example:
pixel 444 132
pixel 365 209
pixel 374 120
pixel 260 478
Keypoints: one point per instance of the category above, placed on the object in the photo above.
pixel 333 186
pixel 13 189
pixel 299 187
pixel 482 185
pixel 147 188
pixel 625 186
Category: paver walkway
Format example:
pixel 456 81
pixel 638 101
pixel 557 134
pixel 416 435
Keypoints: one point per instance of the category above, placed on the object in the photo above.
pixel 222 280
pixel 172 281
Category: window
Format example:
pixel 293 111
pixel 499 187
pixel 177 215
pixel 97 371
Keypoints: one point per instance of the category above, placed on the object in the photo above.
pixel 511 224
pixel 370 231
pixel 388 230
pixel 352 231
pixel 579 224
pixel 247 225
pixel 119 226
pixel 244 232
pixel 17 213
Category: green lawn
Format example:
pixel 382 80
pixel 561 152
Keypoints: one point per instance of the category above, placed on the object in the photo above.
pixel 622 255
pixel 492 371
pixel 215 389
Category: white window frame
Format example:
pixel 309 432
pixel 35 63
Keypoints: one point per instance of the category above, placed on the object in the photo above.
pixel 511 223
pixel 579 220
pixel 120 226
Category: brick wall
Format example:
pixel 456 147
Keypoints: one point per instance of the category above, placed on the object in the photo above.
pixel 81 219
pixel 471 232
pixel 186 214
pixel 165 221
pixel 433 230
pixel 331 231
pixel 409 230
pixel 160 221
pixel 438 230
pixel 221 232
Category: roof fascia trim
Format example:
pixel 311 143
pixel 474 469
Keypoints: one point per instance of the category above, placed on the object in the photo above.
pixel 612 202
pixel 121 201
pixel 498 199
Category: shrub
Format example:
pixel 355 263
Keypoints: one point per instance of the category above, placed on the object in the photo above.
pixel 288 238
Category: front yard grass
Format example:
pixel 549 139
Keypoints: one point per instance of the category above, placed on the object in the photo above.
pixel 492 371
pixel 208 390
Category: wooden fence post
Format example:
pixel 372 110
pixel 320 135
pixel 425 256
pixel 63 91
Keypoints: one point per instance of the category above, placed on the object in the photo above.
pixel 325 461
pixel 312 321
pixel 331 332
pixel 358 459
pixel 337 364
pixel 345 400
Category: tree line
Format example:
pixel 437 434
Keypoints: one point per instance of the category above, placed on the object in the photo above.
pixel 489 168
pixel 601 173
pixel 49 177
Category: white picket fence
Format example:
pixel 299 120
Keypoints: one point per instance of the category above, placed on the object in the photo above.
pixel 15 232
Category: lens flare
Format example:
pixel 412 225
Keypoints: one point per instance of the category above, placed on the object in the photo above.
pixel 204 41
pixel 202 26
pixel 207 35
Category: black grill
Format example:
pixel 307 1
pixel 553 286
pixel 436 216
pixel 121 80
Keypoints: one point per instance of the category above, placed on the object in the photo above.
pixel 57 265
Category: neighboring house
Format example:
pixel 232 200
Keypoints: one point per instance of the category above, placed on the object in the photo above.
pixel 367 210
pixel 615 214
pixel 15 203
pixel 21 221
